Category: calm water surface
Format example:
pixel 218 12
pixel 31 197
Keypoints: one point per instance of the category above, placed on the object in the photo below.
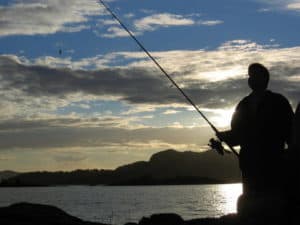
pixel 118 205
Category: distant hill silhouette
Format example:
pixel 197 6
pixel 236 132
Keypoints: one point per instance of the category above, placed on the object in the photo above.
pixel 7 174
pixel 166 167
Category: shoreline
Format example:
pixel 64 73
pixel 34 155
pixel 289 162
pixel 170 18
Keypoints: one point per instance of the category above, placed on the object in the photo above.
pixel 25 213
pixel 117 185
pixel 36 214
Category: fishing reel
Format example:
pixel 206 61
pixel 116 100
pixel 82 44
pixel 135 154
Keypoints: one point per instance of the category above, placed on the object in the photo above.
pixel 217 146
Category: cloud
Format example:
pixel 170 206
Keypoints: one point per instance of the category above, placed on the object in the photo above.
pixel 32 88
pixel 64 137
pixel 42 81
pixel 241 45
pixel 75 28
pixel 209 22
pixel 214 78
pixel 33 91
pixel 44 121
pixel 6 158
pixel 155 21
pixel 129 15
pixel 294 6
pixel 105 22
pixel 67 157
pixel 264 10
pixel 46 17
pixel 139 108
pixel 113 32
pixel 291 5
pixel 170 111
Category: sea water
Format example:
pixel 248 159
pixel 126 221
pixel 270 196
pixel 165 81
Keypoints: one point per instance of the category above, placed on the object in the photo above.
pixel 121 204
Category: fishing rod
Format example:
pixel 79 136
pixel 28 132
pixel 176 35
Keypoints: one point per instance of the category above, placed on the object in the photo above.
pixel 166 74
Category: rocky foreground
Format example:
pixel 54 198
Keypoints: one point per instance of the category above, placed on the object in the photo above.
pixel 36 214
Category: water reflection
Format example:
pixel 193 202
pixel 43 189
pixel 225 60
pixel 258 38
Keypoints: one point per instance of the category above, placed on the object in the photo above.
pixel 118 205
pixel 230 194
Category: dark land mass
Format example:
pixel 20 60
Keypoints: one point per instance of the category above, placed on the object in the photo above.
pixel 168 167
pixel 7 174
pixel 37 214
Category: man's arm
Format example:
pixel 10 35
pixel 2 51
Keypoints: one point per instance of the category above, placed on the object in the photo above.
pixel 229 137
pixel 289 115
pixel 232 137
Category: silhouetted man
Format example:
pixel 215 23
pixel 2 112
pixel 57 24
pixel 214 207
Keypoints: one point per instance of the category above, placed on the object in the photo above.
pixel 261 125
pixel 293 165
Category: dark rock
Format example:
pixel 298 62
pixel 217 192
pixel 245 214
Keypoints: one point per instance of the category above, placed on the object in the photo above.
pixel 162 219
pixel 174 219
pixel 37 214
pixel 205 221
pixel 130 223
pixel 231 219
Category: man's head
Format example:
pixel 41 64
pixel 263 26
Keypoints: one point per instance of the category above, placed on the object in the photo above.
pixel 258 77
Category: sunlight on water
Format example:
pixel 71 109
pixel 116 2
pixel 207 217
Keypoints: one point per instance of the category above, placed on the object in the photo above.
pixel 118 205
pixel 230 194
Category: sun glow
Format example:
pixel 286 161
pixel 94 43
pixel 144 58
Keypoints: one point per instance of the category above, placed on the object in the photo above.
pixel 219 75
pixel 230 194
pixel 222 117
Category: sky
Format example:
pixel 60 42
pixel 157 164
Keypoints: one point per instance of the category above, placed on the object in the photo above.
pixel 77 92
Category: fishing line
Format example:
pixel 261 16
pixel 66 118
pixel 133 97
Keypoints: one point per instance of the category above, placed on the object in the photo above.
pixel 165 73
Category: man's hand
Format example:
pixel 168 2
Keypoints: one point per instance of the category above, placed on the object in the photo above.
pixel 216 145
pixel 222 135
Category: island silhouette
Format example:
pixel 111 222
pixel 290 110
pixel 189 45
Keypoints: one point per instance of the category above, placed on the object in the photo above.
pixel 167 167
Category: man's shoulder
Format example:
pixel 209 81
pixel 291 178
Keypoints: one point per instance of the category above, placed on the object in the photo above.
pixel 280 102
pixel 276 97
pixel 243 103
pixel 245 100
pixel 270 97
